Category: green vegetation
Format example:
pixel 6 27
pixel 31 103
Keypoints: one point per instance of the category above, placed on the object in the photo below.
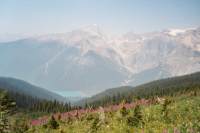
pixel 27 103
pixel 164 87
pixel 53 123
pixel 156 109
pixel 182 114
pixel 6 109
pixel 23 87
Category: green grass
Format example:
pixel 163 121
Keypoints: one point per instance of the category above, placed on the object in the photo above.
pixel 182 114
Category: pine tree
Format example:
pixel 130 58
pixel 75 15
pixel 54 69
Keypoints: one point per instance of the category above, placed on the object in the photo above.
pixel 6 109
pixel 136 119
pixel 59 116
pixel 53 123
pixel 165 111
pixel 138 114
pixel 124 112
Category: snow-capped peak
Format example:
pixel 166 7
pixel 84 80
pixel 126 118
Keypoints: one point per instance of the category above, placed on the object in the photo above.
pixel 93 30
pixel 174 32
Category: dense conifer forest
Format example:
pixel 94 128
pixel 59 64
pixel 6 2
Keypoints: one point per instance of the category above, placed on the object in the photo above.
pixel 164 87
pixel 33 104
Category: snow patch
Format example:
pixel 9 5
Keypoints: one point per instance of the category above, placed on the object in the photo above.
pixel 175 32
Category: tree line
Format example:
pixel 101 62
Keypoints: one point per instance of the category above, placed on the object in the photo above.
pixel 146 93
pixel 33 104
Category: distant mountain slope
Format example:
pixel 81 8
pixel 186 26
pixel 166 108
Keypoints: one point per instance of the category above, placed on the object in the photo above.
pixel 159 87
pixel 87 60
pixel 20 86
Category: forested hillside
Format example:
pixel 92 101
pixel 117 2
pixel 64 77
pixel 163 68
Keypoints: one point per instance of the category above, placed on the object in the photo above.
pixel 168 105
pixel 22 87
pixel 27 103
pixel 163 87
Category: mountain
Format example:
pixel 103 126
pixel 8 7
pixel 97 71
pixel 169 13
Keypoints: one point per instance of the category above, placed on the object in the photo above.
pixel 22 87
pixel 168 86
pixel 87 60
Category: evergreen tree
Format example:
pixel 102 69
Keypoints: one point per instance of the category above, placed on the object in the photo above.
pixel 137 115
pixel 53 123
pixel 123 111
pixel 165 108
pixel 6 109
pixel 136 119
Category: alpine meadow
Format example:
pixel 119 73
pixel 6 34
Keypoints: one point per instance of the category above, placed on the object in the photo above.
pixel 100 66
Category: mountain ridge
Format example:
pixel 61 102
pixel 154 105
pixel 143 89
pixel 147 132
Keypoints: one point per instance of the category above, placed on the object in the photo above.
pixel 63 61
pixel 176 84
pixel 23 87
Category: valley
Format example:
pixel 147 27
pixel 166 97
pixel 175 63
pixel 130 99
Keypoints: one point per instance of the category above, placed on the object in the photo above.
pixel 166 105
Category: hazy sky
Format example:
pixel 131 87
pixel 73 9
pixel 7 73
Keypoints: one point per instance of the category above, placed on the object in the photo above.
pixel 117 16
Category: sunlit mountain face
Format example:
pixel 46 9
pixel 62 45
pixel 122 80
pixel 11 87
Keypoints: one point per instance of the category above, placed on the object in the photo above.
pixel 88 60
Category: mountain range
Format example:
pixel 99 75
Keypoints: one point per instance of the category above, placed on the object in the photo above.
pixel 87 60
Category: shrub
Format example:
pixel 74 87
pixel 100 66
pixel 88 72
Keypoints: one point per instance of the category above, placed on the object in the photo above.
pixel 95 125
pixel 20 125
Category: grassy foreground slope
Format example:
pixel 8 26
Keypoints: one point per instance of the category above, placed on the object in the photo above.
pixel 180 114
